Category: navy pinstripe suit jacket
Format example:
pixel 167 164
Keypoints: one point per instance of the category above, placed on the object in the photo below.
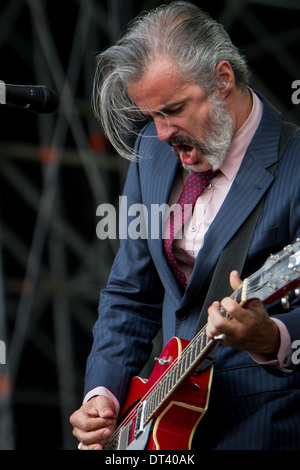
pixel 250 407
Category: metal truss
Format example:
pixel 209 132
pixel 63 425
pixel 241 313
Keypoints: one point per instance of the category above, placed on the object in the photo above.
pixel 55 170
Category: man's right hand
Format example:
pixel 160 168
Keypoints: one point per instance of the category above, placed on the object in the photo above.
pixel 93 422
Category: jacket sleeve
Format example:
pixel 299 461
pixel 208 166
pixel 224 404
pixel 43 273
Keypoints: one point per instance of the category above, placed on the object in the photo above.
pixel 291 317
pixel 130 307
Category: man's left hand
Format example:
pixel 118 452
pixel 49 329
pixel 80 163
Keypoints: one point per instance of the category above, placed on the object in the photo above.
pixel 248 327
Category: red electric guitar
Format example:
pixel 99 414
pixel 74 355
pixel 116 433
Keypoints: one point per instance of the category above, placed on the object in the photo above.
pixel 173 390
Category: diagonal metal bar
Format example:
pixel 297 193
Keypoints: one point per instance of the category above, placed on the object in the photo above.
pixel 42 226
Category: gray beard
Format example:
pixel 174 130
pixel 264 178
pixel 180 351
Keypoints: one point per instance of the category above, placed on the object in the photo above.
pixel 217 138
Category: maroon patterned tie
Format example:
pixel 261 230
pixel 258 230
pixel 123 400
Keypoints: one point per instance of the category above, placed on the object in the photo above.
pixel 193 187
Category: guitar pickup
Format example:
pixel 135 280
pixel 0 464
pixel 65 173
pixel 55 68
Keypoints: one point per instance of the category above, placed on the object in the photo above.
pixel 140 419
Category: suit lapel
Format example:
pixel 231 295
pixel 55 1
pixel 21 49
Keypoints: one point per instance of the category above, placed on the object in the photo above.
pixel 159 180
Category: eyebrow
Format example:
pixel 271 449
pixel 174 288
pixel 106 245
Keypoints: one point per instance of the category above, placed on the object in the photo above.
pixel 167 107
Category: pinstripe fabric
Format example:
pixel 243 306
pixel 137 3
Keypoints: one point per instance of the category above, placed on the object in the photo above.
pixel 249 407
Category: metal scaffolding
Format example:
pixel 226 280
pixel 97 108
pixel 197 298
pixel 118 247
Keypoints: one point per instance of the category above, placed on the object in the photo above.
pixel 55 170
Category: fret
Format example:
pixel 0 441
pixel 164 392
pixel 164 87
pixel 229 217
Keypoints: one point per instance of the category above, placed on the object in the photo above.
pixel 177 372
pixel 165 387
pixel 188 360
pixel 155 402
pixel 191 354
pixel 199 344
pixel 168 382
pixel 202 341
pixel 181 365
pixel 195 356
pixel 159 394
pixel 173 381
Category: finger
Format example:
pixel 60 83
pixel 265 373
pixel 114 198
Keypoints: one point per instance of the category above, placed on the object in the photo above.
pixel 81 446
pixel 216 323
pixel 85 422
pixel 92 438
pixel 88 418
pixel 235 280
pixel 108 414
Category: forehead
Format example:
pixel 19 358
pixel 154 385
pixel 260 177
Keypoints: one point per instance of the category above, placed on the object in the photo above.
pixel 161 84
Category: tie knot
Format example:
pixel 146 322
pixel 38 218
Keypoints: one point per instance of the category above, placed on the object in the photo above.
pixel 203 177
pixel 196 183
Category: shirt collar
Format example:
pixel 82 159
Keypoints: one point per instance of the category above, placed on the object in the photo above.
pixel 242 139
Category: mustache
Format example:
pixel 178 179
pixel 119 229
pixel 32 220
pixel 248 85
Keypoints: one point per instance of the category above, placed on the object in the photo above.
pixel 188 141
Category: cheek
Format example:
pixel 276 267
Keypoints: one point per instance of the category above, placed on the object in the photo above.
pixel 197 125
pixel 200 116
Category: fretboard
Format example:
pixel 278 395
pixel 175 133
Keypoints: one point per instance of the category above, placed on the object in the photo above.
pixel 177 372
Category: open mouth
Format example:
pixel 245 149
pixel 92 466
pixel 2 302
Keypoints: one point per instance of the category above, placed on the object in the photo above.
pixel 186 153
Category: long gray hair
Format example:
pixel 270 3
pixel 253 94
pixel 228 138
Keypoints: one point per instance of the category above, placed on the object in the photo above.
pixel 190 37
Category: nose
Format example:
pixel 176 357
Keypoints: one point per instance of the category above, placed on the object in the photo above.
pixel 165 129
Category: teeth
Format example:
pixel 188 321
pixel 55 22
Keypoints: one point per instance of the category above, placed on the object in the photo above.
pixel 188 152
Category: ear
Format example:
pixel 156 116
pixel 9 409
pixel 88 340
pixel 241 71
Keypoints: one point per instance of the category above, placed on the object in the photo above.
pixel 224 77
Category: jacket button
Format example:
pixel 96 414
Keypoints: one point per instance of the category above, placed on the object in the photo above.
pixel 181 315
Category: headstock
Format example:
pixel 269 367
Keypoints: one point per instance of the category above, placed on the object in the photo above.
pixel 276 278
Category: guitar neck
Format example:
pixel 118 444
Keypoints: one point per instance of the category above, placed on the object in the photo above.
pixel 193 355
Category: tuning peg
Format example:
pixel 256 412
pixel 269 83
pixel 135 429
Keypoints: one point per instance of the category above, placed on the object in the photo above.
pixel 285 302
pixel 162 361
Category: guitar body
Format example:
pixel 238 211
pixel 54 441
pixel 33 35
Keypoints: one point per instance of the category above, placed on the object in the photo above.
pixel 175 424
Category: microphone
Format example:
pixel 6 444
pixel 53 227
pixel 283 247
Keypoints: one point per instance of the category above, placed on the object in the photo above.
pixel 37 98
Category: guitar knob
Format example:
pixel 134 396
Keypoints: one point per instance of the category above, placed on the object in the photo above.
pixel 285 302
pixel 297 293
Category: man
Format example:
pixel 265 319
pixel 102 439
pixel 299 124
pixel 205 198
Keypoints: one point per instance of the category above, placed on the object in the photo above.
pixel 177 68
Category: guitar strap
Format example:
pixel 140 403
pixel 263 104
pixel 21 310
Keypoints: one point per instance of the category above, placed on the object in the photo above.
pixel 234 254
